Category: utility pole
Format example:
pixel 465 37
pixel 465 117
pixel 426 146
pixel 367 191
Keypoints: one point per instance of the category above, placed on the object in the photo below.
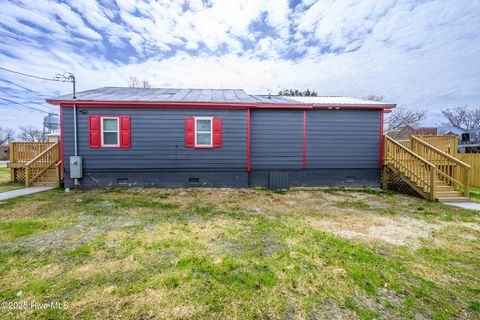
pixel 67 77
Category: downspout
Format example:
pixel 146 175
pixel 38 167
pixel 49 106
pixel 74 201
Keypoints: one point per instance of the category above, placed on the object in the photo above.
pixel 75 181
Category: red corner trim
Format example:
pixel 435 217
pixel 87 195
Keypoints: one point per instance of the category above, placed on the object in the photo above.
pixel 381 138
pixel 248 140
pixel 62 165
pixel 305 139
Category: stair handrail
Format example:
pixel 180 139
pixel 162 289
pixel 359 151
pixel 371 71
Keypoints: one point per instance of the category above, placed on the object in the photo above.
pixel 409 151
pixel 447 170
pixel 446 155
pixel 42 166
pixel 428 177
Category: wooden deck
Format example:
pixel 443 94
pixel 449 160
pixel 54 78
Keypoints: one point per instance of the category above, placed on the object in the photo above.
pixel 35 163
pixel 421 166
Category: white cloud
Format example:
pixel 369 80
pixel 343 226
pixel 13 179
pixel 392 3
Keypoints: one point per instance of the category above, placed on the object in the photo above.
pixel 419 54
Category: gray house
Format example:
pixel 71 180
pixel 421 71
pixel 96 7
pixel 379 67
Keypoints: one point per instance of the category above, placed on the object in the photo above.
pixel 218 138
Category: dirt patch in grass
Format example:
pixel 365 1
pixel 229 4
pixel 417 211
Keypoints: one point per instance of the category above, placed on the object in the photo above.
pixel 369 227
pixel 70 237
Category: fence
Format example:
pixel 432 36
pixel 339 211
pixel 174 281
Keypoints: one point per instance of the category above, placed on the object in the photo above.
pixel 472 159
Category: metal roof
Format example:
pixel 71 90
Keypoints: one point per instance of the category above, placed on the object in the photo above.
pixel 339 101
pixel 228 96
pixel 274 99
pixel 161 95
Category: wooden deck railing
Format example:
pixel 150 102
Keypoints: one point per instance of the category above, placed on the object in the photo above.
pixel 448 144
pixel 405 143
pixel 449 169
pixel 417 169
pixel 49 158
pixel 26 151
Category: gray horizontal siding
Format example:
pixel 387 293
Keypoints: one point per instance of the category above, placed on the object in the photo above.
pixel 158 140
pixel 343 139
pixel 276 139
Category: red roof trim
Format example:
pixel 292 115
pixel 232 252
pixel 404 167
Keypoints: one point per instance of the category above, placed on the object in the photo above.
pixel 281 106
pixel 207 105
pixel 332 107
pixel 147 104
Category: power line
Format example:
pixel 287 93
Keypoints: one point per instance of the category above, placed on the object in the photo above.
pixel 31 75
pixel 18 85
pixel 21 104
pixel 28 100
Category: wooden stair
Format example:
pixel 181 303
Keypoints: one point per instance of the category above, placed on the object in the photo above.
pixel 446 193
pixel 427 170
pixel 47 179
pixel 38 164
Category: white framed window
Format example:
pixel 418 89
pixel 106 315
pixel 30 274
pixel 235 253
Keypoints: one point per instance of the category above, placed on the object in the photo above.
pixel 110 127
pixel 203 131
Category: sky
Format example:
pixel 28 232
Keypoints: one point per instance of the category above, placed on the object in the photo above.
pixel 418 54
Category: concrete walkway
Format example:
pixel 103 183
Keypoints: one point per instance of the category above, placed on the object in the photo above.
pixel 22 192
pixel 465 205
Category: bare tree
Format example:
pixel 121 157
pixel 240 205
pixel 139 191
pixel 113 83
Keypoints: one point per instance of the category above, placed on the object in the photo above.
pixel 373 97
pixel 402 117
pixel 6 136
pixel 146 84
pixel 468 119
pixel 134 82
pixel 31 134
pixel 298 93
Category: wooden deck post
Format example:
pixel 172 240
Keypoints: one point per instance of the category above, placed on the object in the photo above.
pixel 27 176
pixel 385 178
pixel 433 183
pixel 466 186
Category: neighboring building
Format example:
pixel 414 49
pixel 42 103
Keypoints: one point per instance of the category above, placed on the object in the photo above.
pixel 470 142
pixel 219 138
pixel 451 130
pixel 409 131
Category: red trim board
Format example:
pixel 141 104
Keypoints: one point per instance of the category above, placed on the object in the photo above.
pixel 207 105
pixel 62 165
pixel 381 139
pixel 304 139
pixel 248 140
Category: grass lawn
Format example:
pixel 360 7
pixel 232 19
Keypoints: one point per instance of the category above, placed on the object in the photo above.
pixel 5 184
pixel 475 194
pixel 238 254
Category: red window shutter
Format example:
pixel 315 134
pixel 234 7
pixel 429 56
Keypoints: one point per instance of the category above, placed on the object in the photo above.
pixel 217 133
pixel 189 132
pixel 125 132
pixel 94 131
